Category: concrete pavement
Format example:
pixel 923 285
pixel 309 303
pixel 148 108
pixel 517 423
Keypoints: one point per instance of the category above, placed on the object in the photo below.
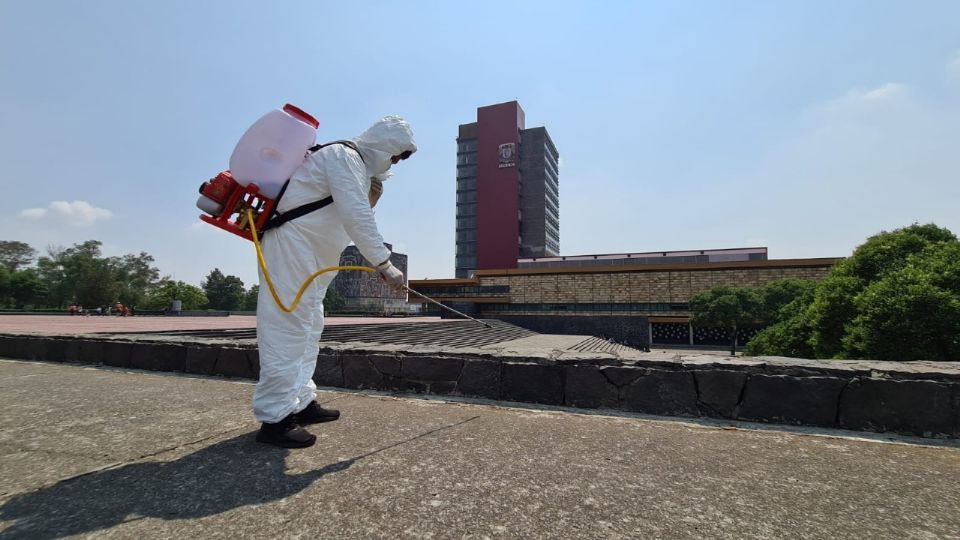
pixel 122 454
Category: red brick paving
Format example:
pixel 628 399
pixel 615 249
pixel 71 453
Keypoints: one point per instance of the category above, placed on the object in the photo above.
pixel 64 324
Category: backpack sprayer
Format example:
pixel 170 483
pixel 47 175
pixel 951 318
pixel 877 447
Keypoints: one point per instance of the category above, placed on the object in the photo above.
pixel 270 152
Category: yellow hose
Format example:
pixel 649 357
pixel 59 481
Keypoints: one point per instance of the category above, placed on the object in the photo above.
pixel 313 276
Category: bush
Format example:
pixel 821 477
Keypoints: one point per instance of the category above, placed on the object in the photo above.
pixel 896 298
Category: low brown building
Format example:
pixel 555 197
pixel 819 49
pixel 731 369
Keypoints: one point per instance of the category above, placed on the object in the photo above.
pixel 637 304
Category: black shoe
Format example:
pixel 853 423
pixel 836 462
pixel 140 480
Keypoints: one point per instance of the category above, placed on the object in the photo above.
pixel 315 414
pixel 285 434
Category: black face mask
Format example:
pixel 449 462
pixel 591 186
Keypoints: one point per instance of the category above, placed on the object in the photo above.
pixel 401 157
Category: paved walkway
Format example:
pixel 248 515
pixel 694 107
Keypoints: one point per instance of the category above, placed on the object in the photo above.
pixel 137 455
pixel 65 324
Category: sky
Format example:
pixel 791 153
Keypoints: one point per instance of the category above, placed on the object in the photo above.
pixel 801 126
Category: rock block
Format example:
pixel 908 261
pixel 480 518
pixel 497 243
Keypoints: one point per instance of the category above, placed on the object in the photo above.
pixel 791 400
pixel 587 387
pixel 442 388
pixel 62 350
pixel 91 352
pixel 719 391
pixel 358 372
pixel 532 383
pixel 431 368
pixel 253 359
pixel 118 353
pixel 201 360
pixel 158 357
pixel 386 365
pixel 662 392
pixel 329 371
pixel 480 378
pixel 904 406
pixel 233 362
pixel 15 347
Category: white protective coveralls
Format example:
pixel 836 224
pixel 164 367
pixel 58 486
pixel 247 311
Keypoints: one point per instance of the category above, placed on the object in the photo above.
pixel 289 342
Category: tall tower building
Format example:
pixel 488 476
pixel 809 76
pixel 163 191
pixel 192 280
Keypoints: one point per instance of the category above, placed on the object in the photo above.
pixel 508 198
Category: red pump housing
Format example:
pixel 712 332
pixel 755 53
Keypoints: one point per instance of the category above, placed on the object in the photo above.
pixel 234 201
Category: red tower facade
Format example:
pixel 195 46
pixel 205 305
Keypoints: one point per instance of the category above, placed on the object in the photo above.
pixel 498 185
pixel 507 191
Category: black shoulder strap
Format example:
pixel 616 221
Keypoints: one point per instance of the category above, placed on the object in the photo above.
pixel 277 219
pixel 349 144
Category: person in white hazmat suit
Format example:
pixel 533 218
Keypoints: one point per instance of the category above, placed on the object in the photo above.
pixel 284 399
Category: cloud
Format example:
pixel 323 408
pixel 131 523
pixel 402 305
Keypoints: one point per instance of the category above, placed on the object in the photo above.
pixel 79 213
pixel 872 158
pixel 33 213
pixel 859 100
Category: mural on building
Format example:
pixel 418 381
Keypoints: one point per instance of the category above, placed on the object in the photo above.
pixel 364 292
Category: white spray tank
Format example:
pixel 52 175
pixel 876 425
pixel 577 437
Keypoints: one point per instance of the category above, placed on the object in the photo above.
pixel 273 148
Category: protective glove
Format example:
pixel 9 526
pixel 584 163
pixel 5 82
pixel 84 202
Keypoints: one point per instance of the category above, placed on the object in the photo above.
pixel 390 275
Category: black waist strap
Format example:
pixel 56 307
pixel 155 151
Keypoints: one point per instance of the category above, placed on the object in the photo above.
pixel 278 219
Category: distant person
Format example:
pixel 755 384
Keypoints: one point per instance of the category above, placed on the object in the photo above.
pixel 72 309
pixel 351 173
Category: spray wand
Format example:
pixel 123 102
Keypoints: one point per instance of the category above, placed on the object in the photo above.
pixel 318 273
pixel 431 300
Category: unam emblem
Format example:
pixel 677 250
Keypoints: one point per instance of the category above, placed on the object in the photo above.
pixel 507 151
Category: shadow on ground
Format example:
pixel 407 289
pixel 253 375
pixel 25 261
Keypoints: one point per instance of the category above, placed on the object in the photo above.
pixel 230 474
pixel 227 475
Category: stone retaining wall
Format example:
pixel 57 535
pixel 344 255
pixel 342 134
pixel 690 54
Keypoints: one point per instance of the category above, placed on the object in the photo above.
pixel 917 398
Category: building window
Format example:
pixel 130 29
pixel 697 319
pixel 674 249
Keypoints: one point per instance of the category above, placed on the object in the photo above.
pixel 466 223
pixel 467 290
pixel 465 171
pixel 466 262
pixel 466 184
pixel 467 196
pixel 468 145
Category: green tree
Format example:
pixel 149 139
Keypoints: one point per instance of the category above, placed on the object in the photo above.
pixel 4 286
pixel 79 274
pixel 832 309
pixel 14 255
pixel 82 274
pixel 163 295
pixel 333 301
pixel 137 277
pixel 896 297
pixel 26 288
pixel 250 298
pixel 776 295
pixel 726 307
pixel 912 313
pixel 789 334
pixel 223 292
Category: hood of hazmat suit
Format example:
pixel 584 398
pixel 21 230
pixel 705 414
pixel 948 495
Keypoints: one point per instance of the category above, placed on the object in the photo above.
pixel 289 342
pixel 389 137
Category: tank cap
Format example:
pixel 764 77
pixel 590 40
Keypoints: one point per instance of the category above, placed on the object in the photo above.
pixel 300 114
